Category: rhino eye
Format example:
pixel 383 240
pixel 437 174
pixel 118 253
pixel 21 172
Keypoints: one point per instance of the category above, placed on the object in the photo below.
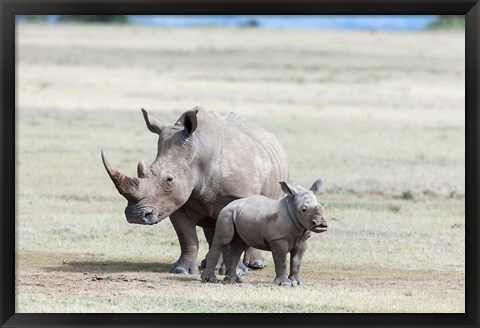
pixel 168 183
pixel 304 208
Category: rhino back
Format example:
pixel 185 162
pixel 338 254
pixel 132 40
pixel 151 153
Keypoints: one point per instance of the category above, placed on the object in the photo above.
pixel 237 159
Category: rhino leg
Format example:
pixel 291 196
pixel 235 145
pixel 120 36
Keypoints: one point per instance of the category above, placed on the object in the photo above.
pixel 296 255
pixel 209 233
pixel 241 268
pixel 279 252
pixel 254 259
pixel 237 246
pixel 224 234
pixel 208 275
pixel 187 237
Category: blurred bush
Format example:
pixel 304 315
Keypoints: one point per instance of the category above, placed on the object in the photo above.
pixel 454 22
pixel 94 18
pixel 34 18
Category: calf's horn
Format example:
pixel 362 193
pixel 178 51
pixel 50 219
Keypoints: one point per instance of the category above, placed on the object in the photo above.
pixel 126 185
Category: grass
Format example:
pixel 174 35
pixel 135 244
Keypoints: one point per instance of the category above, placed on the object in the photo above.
pixel 248 298
pixel 385 130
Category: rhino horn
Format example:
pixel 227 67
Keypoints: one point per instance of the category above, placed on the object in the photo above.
pixel 126 185
pixel 152 124
pixel 143 170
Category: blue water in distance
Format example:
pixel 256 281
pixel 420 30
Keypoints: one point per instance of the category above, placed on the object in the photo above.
pixel 382 22
pixel 369 22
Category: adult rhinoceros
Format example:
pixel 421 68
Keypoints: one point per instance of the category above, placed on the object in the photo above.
pixel 204 161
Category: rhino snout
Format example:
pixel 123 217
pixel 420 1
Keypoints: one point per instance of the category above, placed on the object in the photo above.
pixel 149 218
pixel 319 225
pixel 136 215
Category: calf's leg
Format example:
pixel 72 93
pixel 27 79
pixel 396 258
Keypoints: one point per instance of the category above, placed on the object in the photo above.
pixel 241 268
pixel 296 255
pixel 237 246
pixel 224 231
pixel 209 233
pixel 279 251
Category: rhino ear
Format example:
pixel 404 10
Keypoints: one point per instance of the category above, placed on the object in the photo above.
pixel 152 124
pixel 288 189
pixel 317 186
pixel 189 121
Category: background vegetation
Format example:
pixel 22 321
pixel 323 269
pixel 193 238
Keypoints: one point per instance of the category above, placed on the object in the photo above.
pixel 94 18
pixel 456 22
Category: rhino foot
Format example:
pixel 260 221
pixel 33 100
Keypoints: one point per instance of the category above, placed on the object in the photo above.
pixel 253 259
pixel 209 277
pixel 295 281
pixel 179 270
pixel 233 279
pixel 257 264
pixel 183 267
pixel 219 266
pixel 282 282
pixel 241 269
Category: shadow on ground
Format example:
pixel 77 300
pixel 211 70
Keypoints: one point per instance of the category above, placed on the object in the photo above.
pixel 183 277
pixel 111 267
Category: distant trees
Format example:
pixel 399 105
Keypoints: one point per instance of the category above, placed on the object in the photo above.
pixel 94 18
pixel 73 18
pixel 33 18
pixel 448 22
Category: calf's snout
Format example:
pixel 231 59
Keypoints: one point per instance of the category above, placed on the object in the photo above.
pixel 319 224
pixel 322 222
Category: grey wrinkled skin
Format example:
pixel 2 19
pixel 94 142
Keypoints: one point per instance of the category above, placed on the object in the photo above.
pixel 280 226
pixel 204 161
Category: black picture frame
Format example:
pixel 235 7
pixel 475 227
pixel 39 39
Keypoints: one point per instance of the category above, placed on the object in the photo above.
pixel 10 8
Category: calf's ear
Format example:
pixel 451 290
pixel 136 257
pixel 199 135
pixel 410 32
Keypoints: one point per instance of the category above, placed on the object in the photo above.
pixel 288 189
pixel 317 186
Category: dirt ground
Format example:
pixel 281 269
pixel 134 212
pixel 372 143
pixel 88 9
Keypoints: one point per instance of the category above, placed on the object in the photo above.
pixel 379 115
pixel 91 278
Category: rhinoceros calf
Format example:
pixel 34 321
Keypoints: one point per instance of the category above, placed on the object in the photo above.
pixel 204 161
pixel 279 226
